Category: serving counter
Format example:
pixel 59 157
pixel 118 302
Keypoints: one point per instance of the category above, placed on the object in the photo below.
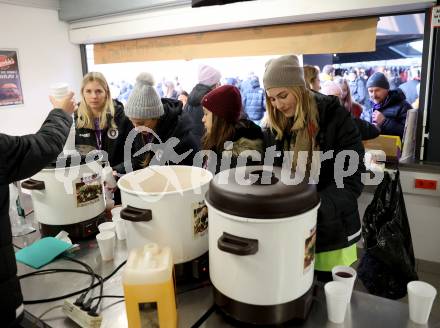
pixel 194 300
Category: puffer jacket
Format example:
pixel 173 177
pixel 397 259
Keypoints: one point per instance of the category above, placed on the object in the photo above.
pixel 254 101
pixel 338 224
pixel 195 109
pixel 21 158
pixel 175 123
pixel 113 140
pixel 394 109
pixel 248 136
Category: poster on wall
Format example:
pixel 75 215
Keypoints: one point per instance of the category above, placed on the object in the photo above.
pixel 10 85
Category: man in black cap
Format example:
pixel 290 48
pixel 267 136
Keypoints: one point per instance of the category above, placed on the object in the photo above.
pixel 389 107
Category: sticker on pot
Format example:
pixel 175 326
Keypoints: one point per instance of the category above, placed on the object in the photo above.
pixel 88 190
pixel 200 219
pixel 309 249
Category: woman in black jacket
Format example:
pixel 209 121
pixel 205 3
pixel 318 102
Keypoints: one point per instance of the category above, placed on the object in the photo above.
pixel 21 158
pixel 166 131
pixel 302 120
pixel 227 136
pixel 101 124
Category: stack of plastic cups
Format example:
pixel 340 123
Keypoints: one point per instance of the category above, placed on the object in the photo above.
pixel 59 91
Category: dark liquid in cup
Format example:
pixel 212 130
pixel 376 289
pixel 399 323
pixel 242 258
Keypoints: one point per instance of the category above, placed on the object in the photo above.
pixel 344 274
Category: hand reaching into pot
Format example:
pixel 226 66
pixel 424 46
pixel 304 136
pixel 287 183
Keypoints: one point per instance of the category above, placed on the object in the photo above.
pixel 67 104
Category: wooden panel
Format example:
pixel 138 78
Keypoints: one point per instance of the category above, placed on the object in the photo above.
pixel 338 36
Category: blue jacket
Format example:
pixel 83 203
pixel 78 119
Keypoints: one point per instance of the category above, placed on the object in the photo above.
pixel 394 109
pixel 254 101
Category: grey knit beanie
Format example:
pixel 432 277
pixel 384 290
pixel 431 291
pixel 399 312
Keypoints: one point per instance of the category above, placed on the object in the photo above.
pixel 144 102
pixel 284 71
pixel 379 80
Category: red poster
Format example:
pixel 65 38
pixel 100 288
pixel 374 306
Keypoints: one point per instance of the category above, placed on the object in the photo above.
pixel 10 85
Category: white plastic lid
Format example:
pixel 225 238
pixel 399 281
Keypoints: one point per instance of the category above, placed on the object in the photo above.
pixel 148 265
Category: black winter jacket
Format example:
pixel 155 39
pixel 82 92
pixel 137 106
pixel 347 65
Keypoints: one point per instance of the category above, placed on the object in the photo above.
pixel 22 157
pixel 395 111
pixel 175 123
pixel 195 109
pixel 248 136
pixel 338 224
pixel 113 141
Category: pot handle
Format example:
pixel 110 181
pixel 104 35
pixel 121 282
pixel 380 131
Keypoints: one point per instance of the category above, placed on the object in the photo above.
pixel 237 245
pixel 32 184
pixel 135 214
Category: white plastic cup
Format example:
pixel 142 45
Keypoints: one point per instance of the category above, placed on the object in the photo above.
pixel 346 275
pixel 121 230
pixel 108 177
pixel 116 212
pixel 336 295
pixel 59 90
pixel 421 295
pixel 106 243
pixel 107 226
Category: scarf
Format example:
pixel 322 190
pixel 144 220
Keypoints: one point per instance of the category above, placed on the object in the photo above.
pixel 302 138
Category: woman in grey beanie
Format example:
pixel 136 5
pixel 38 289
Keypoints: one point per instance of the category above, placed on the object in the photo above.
pixel 302 120
pixel 159 120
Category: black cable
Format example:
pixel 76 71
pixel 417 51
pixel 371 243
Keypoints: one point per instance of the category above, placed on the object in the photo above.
pixel 50 271
pixel 204 317
pixel 71 294
pixel 80 300
pixel 108 296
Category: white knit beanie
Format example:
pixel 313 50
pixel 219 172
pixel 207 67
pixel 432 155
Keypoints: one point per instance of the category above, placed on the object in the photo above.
pixel 144 102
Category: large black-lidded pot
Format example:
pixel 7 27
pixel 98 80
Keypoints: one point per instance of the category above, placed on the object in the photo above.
pixel 262 234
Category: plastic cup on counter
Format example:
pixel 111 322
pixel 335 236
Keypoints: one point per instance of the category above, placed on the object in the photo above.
pixel 336 294
pixel 106 244
pixel 421 295
pixel 346 275
pixel 107 226
pixel 116 212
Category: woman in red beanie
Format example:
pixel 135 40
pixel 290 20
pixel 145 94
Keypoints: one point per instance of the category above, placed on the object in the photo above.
pixel 227 134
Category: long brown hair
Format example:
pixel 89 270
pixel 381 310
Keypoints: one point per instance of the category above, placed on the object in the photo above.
pixel 221 131
pixel 85 116
pixel 311 73
pixel 306 112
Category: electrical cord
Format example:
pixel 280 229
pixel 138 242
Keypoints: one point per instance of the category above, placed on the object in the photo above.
pixel 70 294
pixel 80 300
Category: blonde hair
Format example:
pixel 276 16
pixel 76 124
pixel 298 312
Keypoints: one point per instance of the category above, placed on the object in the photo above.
pixel 311 74
pixel 85 116
pixel 306 112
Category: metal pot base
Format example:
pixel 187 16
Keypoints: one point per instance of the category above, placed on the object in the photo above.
pixel 265 314
pixel 77 231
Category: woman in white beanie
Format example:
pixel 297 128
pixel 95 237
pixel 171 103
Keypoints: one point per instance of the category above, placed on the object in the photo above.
pixel 302 120
pixel 160 120
pixel 101 124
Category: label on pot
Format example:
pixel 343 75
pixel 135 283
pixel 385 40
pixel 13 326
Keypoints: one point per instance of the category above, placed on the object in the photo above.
pixel 88 190
pixel 200 219
pixel 309 249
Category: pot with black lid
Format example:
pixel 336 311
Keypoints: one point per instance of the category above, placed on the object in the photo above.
pixel 262 235
pixel 68 195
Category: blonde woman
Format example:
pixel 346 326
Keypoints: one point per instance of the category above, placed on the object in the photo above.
pixel 101 123
pixel 302 120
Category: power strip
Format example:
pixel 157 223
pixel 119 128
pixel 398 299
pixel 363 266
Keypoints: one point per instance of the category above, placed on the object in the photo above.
pixel 81 317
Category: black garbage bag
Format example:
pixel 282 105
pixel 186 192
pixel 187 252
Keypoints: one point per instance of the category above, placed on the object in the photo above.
pixel 388 263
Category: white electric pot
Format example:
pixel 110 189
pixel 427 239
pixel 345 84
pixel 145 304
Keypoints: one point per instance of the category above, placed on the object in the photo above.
pixel 68 191
pixel 261 241
pixel 165 205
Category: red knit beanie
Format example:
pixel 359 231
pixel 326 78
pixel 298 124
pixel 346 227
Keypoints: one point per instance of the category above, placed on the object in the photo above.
pixel 225 102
